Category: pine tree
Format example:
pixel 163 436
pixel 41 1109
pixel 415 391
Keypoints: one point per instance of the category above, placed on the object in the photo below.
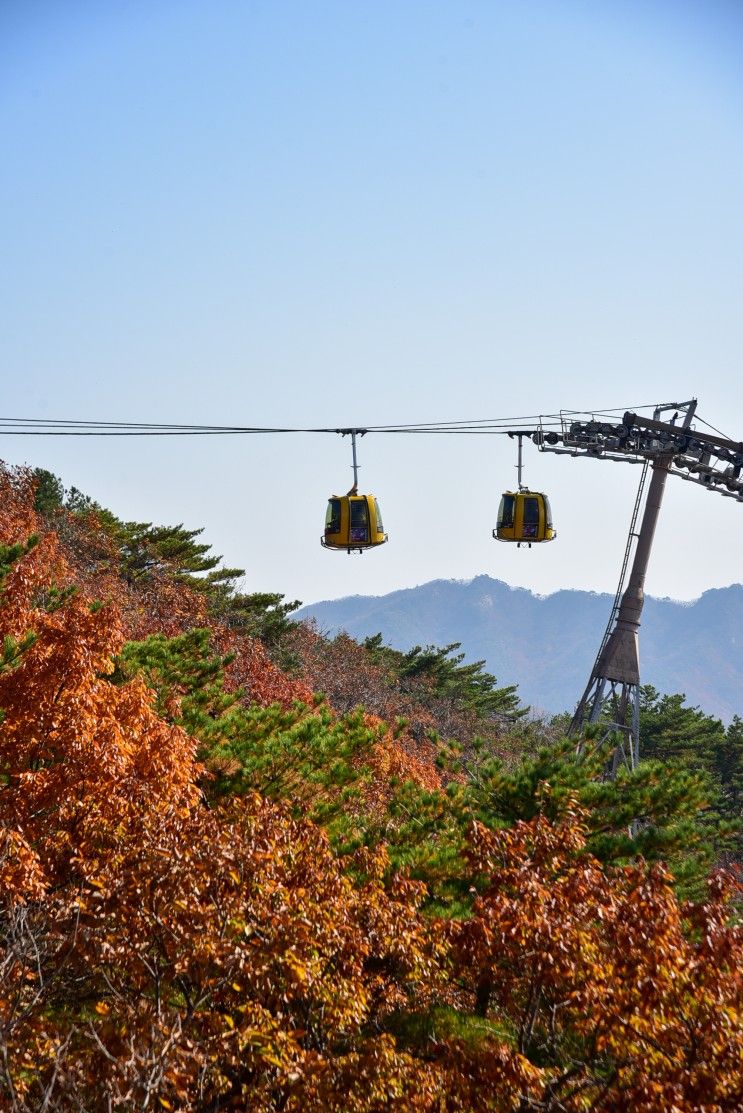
pixel 49 491
pixel 668 729
pixel 729 767
pixel 440 671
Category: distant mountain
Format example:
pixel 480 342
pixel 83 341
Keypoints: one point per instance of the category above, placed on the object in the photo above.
pixel 547 644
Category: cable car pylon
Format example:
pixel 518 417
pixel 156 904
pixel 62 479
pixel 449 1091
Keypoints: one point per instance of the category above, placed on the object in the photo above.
pixel 612 695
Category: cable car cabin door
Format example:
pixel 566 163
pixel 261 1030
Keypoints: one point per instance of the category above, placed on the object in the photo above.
pixel 358 521
pixel 528 509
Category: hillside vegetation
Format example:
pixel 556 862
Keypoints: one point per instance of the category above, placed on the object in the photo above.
pixel 547 644
pixel 244 866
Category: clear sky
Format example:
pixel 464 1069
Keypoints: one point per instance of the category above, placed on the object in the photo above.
pixel 336 213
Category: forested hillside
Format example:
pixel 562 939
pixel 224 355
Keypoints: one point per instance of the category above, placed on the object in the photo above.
pixel 547 644
pixel 244 866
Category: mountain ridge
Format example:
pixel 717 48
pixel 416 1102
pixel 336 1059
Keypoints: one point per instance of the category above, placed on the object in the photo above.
pixel 547 643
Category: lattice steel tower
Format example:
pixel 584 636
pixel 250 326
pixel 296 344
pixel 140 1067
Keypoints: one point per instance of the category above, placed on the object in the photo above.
pixel 611 697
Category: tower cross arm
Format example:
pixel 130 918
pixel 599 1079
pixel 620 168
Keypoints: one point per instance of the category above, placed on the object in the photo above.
pixel 634 421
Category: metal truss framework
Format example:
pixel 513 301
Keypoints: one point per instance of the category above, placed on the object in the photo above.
pixel 612 695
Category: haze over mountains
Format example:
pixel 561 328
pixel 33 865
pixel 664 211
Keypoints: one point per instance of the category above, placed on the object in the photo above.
pixel 547 644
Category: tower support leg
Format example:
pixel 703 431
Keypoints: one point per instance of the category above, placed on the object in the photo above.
pixel 612 694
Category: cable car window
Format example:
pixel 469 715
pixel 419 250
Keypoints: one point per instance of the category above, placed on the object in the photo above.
pixel 333 516
pixel 505 512
pixel 358 512
pixel 359 530
pixel 531 518
pixel 380 527
pixel 547 512
pixel 531 512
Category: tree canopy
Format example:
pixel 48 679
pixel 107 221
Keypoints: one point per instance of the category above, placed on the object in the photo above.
pixel 218 891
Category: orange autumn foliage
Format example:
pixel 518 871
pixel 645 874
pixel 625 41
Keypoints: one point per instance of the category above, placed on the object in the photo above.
pixel 568 951
pixel 160 953
pixel 220 952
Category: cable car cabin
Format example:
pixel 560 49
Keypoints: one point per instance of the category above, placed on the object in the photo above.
pixel 353 522
pixel 524 517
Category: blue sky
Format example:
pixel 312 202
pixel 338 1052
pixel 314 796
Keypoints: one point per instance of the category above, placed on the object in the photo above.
pixel 361 213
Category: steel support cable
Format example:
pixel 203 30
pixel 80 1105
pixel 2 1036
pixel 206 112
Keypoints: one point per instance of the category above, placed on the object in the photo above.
pixel 57 432
pixel 471 422
pixel 39 427
pixel 67 427
pixel 714 429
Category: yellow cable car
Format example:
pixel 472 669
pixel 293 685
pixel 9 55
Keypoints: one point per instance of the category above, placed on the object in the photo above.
pixel 524 517
pixel 353 522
